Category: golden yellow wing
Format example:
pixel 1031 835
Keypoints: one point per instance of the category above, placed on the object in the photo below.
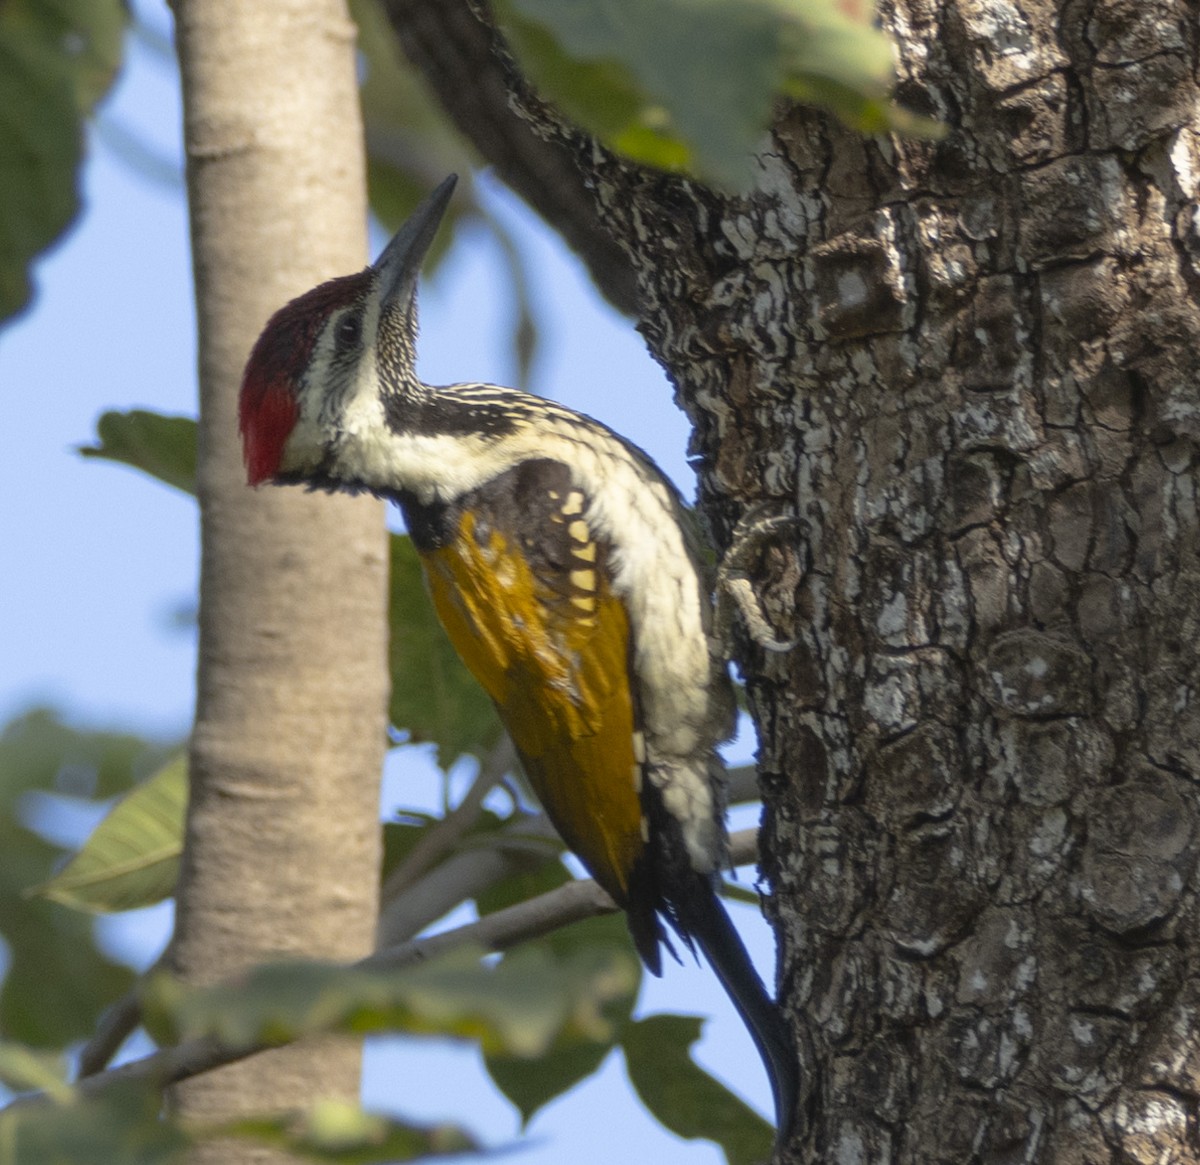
pixel 524 593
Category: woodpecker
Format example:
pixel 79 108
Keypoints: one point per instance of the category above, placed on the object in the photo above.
pixel 564 567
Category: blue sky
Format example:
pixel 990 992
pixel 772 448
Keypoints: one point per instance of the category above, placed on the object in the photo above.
pixel 100 562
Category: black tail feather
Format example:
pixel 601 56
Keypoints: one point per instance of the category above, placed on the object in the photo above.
pixel 701 917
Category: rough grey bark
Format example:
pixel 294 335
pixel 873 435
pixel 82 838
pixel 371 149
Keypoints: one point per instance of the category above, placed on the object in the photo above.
pixel 970 368
pixel 282 831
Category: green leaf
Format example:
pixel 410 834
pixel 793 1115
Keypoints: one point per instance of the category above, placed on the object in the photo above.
pixel 434 697
pixel 598 955
pixel 57 982
pixel 517 1006
pixel 38 751
pixel 411 144
pixel 336 1131
pixel 23 1069
pixel 530 1085
pixel 132 857
pixel 162 446
pixel 57 58
pixel 601 94
pixel 596 947
pixel 706 102
pixel 124 1125
pixel 685 1098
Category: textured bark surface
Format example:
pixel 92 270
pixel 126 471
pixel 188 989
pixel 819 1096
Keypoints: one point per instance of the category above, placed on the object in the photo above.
pixel 282 829
pixel 971 368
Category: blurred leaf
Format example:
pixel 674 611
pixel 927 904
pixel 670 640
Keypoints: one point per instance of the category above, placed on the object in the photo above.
pixel 57 982
pixel 25 1069
pixel 162 446
pixel 706 102
pixel 602 95
pixel 411 145
pixel 434 697
pixel 39 751
pixel 57 58
pixel 685 1098
pixel 517 1006
pixel 125 1125
pixel 590 946
pixel 531 1084
pixel 337 1131
pixel 598 954
pixel 132 857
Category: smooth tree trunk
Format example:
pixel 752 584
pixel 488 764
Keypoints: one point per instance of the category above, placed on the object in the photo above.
pixel 282 830
pixel 971 370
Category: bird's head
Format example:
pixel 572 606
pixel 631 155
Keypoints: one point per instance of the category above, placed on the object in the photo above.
pixel 314 385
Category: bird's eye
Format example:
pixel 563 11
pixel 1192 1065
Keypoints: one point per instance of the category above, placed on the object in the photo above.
pixel 348 331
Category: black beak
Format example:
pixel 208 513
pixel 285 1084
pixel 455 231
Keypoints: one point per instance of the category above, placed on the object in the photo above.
pixel 397 268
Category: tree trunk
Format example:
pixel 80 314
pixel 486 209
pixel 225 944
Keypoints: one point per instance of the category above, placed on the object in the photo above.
pixel 282 831
pixel 970 367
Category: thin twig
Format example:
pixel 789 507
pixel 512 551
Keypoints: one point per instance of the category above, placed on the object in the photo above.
pixel 115 1026
pixel 441 837
pixel 409 906
pixel 523 844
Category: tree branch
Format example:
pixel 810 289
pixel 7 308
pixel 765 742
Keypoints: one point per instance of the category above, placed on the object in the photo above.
pixel 415 897
pixel 429 884
pixel 442 837
pixel 116 1025
pixel 500 931
pixel 524 844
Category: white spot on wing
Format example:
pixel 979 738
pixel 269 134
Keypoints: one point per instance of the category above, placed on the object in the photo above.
pixel 585 580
